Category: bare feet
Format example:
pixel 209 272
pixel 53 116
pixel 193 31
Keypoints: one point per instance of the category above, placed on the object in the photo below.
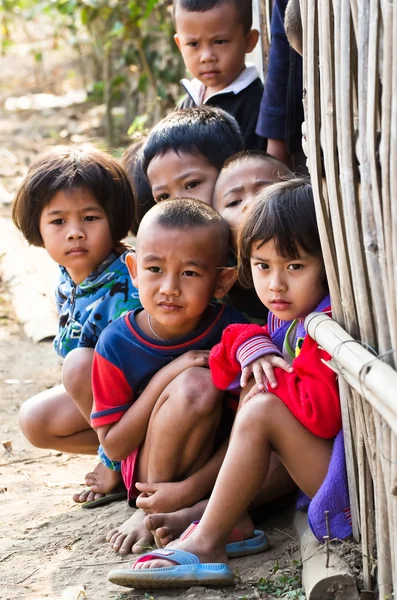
pixel 170 526
pixel 196 544
pixel 100 482
pixel 166 527
pixel 131 536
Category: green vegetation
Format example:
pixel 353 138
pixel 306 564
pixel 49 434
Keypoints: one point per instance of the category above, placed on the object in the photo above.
pixel 130 44
pixel 284 583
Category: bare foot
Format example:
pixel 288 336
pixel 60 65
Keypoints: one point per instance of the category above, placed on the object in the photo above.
pixel 196 544
pixel 169 526
pixel 166 527
pixel 100 482
pixel 131 536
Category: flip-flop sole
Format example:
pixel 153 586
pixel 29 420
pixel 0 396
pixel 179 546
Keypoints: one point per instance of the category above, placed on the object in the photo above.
pixel 115 497
pixel 179 576
pixel 258 543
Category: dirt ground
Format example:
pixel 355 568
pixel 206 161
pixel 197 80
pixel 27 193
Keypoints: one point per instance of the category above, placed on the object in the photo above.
pixel 49 547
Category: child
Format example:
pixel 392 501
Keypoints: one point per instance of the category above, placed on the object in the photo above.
pixel 77 203
pixel 132 163
pixel 241 177
pixel 185 151
pixel 295 413
pixel 149 411
pixel 281 109
pixel 213 37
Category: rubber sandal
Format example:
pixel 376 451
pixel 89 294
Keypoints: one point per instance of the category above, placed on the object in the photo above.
pixel 237 545
pixel 187 572
pixel 107 499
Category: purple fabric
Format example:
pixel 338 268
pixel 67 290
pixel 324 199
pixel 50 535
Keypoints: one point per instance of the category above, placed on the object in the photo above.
pixel 333 496
pixel 278 335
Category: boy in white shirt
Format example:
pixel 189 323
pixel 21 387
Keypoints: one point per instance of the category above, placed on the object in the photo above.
pixel 213 37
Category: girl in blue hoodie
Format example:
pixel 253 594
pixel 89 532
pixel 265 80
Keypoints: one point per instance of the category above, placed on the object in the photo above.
pixel 77 203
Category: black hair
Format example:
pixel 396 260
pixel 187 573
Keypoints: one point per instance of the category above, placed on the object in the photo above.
pixel 188 213
pixel 255 155
pixel 244 9
pixel 283 212
pixel 208 131
pixel 132 163
pixel 68 168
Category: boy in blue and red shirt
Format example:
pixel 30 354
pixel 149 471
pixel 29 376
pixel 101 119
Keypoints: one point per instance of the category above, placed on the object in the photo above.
pixel 154 410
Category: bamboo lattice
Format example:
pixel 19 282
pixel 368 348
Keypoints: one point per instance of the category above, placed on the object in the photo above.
pixel 350 102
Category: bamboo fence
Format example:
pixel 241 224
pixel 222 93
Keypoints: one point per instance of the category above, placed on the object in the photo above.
pixel 350 102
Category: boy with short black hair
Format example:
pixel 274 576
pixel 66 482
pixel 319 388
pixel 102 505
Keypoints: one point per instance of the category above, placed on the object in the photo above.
pixel 153 408
pixel 213 37
pixel 185 151
pixel 240 179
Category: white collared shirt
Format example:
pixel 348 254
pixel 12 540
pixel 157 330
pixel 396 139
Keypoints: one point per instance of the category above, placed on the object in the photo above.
pixel 196 89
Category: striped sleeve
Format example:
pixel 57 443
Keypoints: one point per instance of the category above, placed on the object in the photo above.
pixel 254 348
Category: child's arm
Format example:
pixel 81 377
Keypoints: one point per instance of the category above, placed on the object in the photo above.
pixel 243 348
pixel 122 436
pixel 311 391
pixel 170 497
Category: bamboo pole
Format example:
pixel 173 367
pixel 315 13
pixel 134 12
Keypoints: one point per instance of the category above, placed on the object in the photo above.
pixel 328 137
pixel 312 119
pixel 393 162
pixel 371 214
pixel 349 182
pixel 386 66
pixel 368 375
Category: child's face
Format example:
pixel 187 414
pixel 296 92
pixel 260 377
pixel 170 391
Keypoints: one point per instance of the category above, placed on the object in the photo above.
pixel 184 175
pixel 176 273
pixel 213 44
pixel 75 231
pixel 290 288
pixel 236 188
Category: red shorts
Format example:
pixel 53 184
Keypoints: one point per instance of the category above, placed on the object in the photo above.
pixel 129 473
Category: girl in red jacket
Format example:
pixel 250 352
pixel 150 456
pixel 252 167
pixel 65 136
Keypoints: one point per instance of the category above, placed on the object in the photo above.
pixel 291 410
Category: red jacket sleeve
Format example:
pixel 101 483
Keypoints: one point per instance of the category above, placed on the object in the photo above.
pixel 311 391
pixel 223 362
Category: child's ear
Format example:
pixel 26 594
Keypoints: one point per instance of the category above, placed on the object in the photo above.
pixel 226 278
pixel 252 40
pixel 130 261
pixel 177 42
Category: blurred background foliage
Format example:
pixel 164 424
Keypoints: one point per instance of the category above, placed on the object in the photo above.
pixel 127 55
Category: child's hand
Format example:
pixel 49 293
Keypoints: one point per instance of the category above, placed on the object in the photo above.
pixel 253 392
pixel 161 497
pixel 195 358
pixel 263 369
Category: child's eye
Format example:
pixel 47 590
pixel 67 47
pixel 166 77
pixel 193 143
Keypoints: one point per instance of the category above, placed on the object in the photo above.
pixel 190 274
pixel 262 266
pixel 57 222
pixel 91 218
pixel 233 203
pixel 154 269
pixel 192 44
pixel 192 184
pixel 220 42
pixel 295 267
pixel 161 197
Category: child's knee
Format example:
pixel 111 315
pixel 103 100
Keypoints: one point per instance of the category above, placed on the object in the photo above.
pixel 33 421
pixel 76 371
pixel 259 410
pixel 196 393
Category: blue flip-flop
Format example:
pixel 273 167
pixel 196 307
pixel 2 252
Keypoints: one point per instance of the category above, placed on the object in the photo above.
pixel 241 547
pixel 187 572
pixel 258 543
